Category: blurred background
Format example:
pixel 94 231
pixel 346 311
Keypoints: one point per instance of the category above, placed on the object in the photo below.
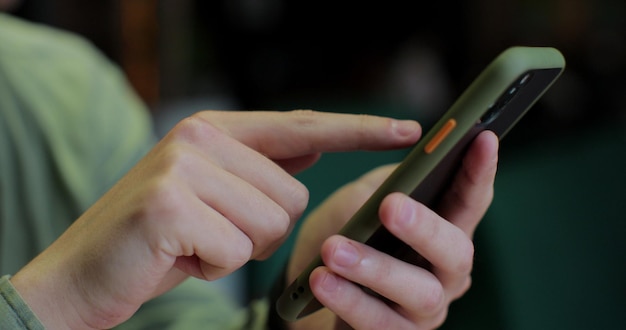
pixel 408 59
pixel 277 54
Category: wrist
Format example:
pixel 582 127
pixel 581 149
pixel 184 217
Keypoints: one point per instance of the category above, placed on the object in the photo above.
pixel 48 300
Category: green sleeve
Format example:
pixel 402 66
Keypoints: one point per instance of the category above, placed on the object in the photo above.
pixel 70 127
pixel 196 304
pixel 193 305
pixel 14 313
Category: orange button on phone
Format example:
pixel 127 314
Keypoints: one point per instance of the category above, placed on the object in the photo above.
pixel 440 136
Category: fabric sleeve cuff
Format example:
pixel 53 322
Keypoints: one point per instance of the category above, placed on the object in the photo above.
pixel 14 312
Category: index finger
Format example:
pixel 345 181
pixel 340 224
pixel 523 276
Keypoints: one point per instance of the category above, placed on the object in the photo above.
pixel 281 135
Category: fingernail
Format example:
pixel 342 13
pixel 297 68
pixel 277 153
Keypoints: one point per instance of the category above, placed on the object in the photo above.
pixel 406 213
pixel 329 283
pixel 405 127
pixel 346 255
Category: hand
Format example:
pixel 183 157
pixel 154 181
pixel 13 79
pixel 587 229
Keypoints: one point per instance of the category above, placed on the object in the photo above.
pixel 417 298
pixel 213 194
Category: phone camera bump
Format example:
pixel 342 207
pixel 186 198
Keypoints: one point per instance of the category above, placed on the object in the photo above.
pixel 525 79
pixel 296 294
pixel 491 114
pixel 495 109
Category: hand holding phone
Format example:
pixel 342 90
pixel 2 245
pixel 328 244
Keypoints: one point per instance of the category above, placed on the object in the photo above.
pixel 495 101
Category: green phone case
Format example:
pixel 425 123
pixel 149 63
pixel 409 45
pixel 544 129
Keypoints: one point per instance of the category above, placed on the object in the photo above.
pixel 496 100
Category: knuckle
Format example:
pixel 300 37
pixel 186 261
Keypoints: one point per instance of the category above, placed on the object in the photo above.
pixel 433 300
pixel 439 319
pixel 278 217
pixel 300 200
pixel 242 253
pixel 238 254
pixel 464 286
pixel 304 117
pixel 294 199
pixel 466 257
pixel 363 130
pixel 163 197
pixel 175 161
pixel 235 252
pixel 383 321
pixel 278 228
pixel 194 128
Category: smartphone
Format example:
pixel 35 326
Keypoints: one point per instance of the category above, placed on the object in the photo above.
pixel 496 100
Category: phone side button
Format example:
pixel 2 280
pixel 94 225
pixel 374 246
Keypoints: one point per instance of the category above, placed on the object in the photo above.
pixel 444 131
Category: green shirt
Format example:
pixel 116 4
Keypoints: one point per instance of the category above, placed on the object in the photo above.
pixel 70 127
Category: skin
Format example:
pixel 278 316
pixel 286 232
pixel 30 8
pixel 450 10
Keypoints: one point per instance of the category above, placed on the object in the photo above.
pixel 419 299
pixel 178 213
